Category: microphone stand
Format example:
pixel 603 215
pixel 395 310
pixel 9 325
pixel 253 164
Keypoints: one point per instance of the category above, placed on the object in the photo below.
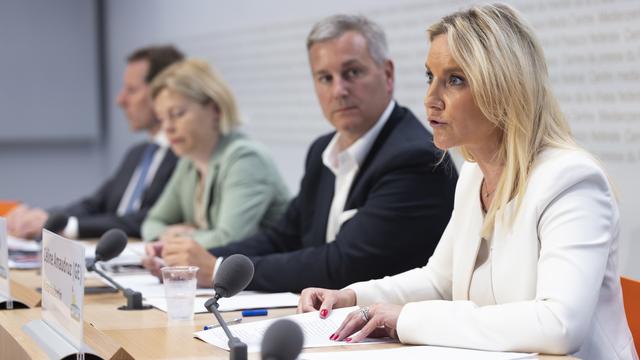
pixel 237 349
pixel 134 298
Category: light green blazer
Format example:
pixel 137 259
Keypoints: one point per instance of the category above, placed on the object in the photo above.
pixel 243 193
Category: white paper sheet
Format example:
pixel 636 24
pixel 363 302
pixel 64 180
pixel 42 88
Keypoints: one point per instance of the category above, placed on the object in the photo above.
pixel 316 331
pixel 18 244
pixel 418 353
pixel 24 264
pixel 243 300
pixel 131 255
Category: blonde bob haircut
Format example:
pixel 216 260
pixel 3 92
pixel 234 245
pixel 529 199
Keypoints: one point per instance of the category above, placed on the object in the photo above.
pixel 196 80
pixel 504 62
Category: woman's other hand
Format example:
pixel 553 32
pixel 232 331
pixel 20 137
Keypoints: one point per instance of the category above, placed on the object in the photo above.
pixel 312 299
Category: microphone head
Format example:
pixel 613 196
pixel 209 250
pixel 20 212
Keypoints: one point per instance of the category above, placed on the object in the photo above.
pixel 110 245
pixel 283 340
pixel 234 274
pixel 56 222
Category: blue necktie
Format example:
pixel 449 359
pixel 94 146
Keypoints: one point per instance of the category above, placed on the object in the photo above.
pixel 145 164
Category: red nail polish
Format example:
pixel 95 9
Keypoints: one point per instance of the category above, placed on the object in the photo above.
pixel 347 339
pixel 323 313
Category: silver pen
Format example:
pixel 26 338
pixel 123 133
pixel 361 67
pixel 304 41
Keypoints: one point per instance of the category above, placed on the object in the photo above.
pixel 230 322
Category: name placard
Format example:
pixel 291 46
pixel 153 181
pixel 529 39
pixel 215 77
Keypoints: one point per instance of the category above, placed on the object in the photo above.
pixel 5 288
pixel 63 270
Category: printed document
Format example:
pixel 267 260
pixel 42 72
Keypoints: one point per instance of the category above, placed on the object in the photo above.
pixel 316 331
pixel 242 301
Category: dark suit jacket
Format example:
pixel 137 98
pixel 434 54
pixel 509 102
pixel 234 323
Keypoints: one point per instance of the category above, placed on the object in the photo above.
pixel 97 213
pixel 404 201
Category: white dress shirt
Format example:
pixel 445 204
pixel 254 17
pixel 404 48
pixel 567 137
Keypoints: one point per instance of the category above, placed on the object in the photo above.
pixel 344 165
pixel 71 230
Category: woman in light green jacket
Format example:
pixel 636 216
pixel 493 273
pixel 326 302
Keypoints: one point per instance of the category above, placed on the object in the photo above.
pixel 225 186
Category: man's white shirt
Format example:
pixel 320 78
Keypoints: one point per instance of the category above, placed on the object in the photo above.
pixel 345 165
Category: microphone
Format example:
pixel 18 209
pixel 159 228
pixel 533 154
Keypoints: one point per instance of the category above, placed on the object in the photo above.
pixel 234 274
pixel 110 245
pixel 283 340
pixel 56 222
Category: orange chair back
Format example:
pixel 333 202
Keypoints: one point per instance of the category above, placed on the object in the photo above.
pixel 631 297
pixel 6 206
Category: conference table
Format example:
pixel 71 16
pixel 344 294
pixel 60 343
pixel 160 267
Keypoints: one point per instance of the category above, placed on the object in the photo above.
pixel 143 334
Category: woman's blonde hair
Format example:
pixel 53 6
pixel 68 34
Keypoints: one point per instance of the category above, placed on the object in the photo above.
pixel 501 56
pixel 198 81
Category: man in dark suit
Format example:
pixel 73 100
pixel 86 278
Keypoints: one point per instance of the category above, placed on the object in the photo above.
pixel 124 199
pixel 376 194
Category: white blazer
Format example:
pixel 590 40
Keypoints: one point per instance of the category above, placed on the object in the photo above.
pixel 554 272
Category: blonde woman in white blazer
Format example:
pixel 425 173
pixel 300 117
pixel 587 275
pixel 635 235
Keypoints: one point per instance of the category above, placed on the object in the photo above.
pixel 529 260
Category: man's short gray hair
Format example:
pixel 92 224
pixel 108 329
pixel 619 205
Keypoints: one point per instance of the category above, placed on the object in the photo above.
pixel 335 26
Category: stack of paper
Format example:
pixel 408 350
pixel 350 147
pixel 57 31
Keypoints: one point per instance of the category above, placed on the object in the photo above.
pixel 23 253
pixel 153 292
pixel 316 331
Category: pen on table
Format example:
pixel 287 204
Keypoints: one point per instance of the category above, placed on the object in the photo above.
pixel 230 322
pixel 255 312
